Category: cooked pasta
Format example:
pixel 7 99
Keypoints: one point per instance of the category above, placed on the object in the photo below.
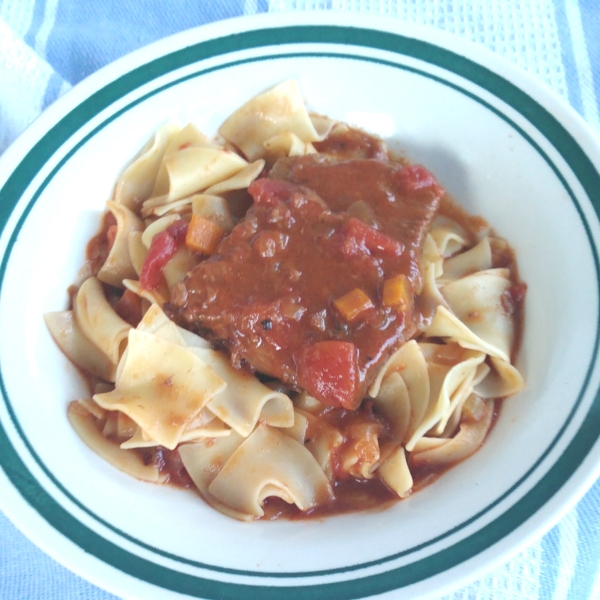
pixel 289 318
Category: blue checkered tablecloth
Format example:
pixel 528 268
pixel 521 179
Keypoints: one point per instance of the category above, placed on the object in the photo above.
pixel 47 46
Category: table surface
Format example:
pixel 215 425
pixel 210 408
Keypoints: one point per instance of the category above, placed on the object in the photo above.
pixel 48 46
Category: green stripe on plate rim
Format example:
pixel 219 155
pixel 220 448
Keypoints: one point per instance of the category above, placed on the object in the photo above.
pixel 424 568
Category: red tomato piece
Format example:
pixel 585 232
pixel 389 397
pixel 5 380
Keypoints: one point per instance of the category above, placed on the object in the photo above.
pixel 178 230
pixel 269 191
pixel 361 238
pixel 162 249
pixel 417 177
pixel 329 371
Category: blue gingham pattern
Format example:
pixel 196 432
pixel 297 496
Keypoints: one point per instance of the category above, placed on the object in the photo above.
pixel 48 46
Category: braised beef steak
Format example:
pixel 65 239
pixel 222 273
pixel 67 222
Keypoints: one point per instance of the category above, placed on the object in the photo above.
pixel 295 291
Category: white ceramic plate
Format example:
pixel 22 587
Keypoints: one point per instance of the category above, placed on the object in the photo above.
pixel 503 145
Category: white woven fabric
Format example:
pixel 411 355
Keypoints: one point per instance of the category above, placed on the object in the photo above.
pixel 523 31
pixel 25 77
pixel 519 579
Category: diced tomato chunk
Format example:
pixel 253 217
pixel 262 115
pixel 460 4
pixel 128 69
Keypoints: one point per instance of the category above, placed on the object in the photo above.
pixel 417 177
pixel 329 371
pixel 269 191
pixel 361 238
pixel 162 249
pixel 178 230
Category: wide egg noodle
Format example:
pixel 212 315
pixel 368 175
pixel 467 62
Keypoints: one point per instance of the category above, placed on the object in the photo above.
pixel 503 380
pixel 156 227
pixel 161 386
pixel 432 267
pixel 118 264
pixel 276 111
pixel 477 318
pixel 361 455
pixel 393 402
pixel 99 321
pixel 396 474
pixel 83 422
pixel 137 251
pixel 322 124
pixel 193 339
pixel 245 400
pixel 137 182
pixel 159 296
pixel 178 207
pixel 325 440
pixel 188 137
pixel 447 379
pixel 299 430
pixel 240 181
pixel 459 399
pixel 203 460
pixel 410 364
pixel 182 262
pixel 270 463
pixel 432 255
pixel 139 440
pixel 193 170
pixel 287 144
pixel 468 440
pixel 477 258
pixel 430 297
pixel 212 428
pixel 157 323
pixel 202 419
pixel 77 347
pixel 96 411
pixel 449 236
pixel 304 401
pixel 214 209
pixel 464 374
pixel 427 443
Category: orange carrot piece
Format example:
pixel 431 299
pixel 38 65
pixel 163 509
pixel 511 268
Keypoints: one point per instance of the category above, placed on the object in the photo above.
pixel 129 308
pixel 353 304
pixel 396 292
pixel 203 235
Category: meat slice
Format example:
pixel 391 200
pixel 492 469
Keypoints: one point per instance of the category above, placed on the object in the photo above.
pixel 344 143
pixel 277 292
pixel 399 200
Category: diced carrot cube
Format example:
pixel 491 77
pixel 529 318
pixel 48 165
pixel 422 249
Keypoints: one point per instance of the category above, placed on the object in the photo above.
pixel 203 235
pixel 129 308
pixel 397 293
pixel 353 303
